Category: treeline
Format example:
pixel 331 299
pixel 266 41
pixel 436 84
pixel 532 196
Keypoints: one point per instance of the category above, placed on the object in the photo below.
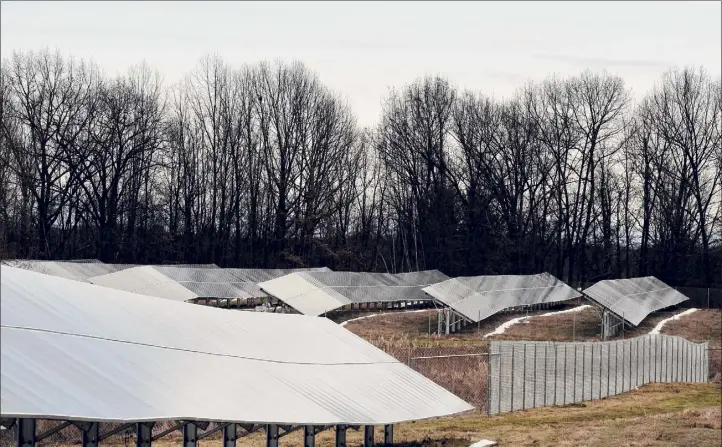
pixel 264 166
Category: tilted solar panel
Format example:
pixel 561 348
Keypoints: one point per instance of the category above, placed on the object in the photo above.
pixel 479 297
pixel 634 298
pixel 73 350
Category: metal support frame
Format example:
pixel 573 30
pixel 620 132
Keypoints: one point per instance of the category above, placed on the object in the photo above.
pixel 26 432
pixel 368 436
pixel 44 435
pixel 206 433
pixel 91 433
pixel 178 426
pixel 123 427
pixel 271 435
pixel 388 434
pixel 190 434
pixel 340 436
pixel 309 436
pixel 230 435
pixel 144 434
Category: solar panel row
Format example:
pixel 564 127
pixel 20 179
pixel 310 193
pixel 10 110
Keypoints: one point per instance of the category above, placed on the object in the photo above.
pixel 314 293
pixel 72 350
pixel 478 297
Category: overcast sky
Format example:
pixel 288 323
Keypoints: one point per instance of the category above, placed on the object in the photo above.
pixel 360 49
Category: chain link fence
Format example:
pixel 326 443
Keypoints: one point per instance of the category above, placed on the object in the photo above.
pixel 536 374
pixel 462 371
pixel 701 298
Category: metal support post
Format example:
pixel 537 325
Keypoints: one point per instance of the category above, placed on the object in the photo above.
pixel 91 434
pixel 144 434
pixel 447 314
pixel 368 436
pixel 230 435
pixel 190 434
pixel 388 434
pixel 512 377
pixel 309 436
pixel 340 436
pixel 26 432
pixel 271 435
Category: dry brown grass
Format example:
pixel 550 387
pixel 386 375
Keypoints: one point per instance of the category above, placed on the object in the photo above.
pixel 702 325
pixel 581 326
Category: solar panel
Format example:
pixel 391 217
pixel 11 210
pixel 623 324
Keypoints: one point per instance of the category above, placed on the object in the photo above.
pixel 79 270
pixel 479 297
pixel 314 293
pixel 145 280
pixel 73 350
pixel 634 298
pixel 182 283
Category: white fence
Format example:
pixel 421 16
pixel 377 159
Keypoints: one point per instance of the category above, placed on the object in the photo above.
pixel 536 374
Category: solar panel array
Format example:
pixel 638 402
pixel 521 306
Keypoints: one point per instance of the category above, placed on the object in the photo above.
pixel 634 298
pixel 314 293
pixel 72 350
pixel 478 297
pixel 183 283
pixel 79 270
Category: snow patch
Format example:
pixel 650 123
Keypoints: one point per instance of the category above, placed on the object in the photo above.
pixel 658 328
pixel 506 325
pixel 484 443
pixel 379 314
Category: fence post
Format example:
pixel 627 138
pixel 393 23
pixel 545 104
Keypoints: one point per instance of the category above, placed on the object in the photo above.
pixel 601 355
pixel 684 362
pixel 677 371
pixel 648 354
pixel 665 356
pixel 609 362
pixel 500 360
pixel 555 374
pixel 707 297
pixel 565 375
pixel 624 362
pixel 535 375
pixel 546 360
pixel 513 356
pixel 629 370
pixel 644 369
pixel 637 359
pixel 523 381
pixel 584 369
pixel 488 382
pixel 656 358
pixel 574 380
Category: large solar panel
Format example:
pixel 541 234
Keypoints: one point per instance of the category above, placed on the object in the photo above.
pixel 314 293
pixel 479 297
pixel 183 283
pixel 634 298
pixel 73 350
pixel 79 270
pixel 145 280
